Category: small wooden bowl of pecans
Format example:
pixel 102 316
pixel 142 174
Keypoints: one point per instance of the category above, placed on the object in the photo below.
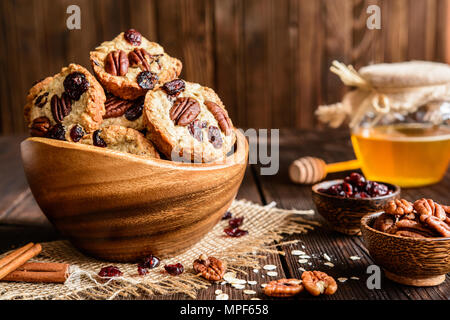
pixel 411 241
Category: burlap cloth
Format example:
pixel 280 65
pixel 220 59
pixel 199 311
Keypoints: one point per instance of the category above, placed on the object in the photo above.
pixel 264 224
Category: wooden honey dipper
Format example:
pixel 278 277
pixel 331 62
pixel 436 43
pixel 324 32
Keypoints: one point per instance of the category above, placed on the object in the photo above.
pixel 308 170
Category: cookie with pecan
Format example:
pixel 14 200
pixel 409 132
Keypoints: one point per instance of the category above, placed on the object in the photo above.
pixel 188 122
pixel 126 113
pixel 67 101
pixel 121 139
pixel 130 65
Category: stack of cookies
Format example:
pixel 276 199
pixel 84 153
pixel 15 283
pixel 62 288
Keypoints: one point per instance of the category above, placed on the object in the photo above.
pixel 135 103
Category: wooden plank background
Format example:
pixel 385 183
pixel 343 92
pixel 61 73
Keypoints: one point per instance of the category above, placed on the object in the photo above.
pixel 268 59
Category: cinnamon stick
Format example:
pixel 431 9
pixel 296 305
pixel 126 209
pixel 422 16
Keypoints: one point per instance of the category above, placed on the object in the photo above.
pixel 37 276
pixel 19 259
pixel 10 257
pixel 44 267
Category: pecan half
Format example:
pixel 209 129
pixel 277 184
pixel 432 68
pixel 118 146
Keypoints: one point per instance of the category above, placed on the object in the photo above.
pixel 116 107
pixel 138 57
pixel 184 111
pixel 399 207
pixel 60 107
pixel 221 116
pixel 116 63
pixel 412 228
pixel 437 224
pixel 429 207
pixel 318 282
pixel 210 268
pixel 40 127
pixel 283 288
pixel 384 223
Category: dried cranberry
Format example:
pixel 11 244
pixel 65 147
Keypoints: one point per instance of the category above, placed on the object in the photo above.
pixel 41 100
pixel 97 140
pixel 348 189
pixel 110 272
pixel 174 269
pixel 214 137
pixel 235 232
pixel 147 263
pixel 174 87
pixel 135 111
pixel 227 215
pixel 133 37
pixel 236 222
pixel 195 129
pixel 355 179
pixel 75 84
pixel 378 190
pixel 147 80
pixel 57 132
pixel 76 133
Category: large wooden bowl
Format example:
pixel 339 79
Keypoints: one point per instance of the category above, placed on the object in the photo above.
pixel 120 207
pixel 411 261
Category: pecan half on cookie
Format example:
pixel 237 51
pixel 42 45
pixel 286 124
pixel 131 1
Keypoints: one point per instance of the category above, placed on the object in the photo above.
pixel 130 65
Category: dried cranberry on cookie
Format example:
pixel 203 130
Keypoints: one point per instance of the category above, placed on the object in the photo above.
pixel 130 65
pixel 126 113
pixel 121 139
pixel 65 106
pixel 188 122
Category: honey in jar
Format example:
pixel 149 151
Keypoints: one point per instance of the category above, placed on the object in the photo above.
pixel 409 155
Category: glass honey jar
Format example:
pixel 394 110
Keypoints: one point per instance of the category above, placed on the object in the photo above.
pixel 399 120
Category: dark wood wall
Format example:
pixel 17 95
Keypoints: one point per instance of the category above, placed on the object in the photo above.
pixel 268 59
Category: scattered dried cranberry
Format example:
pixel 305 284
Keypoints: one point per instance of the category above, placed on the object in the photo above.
pixel 135 111
pixel 235 232
pixel 133 37
pixel 174 269
pixel 76 133
pixel 147 263
pixel 75 85
pixel 174 87
pixel 147 80
pixel 57 132
pixel 110 272
pixel 236 222
pixel 97 140
pixel 356 186
pixel 227 215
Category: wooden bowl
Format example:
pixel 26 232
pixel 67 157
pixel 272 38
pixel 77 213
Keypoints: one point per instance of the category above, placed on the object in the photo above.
pixel 411 261
pixel 120 207
pixel 344 214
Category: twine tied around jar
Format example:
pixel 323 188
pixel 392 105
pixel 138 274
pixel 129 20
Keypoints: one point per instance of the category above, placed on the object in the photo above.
pixel 379 100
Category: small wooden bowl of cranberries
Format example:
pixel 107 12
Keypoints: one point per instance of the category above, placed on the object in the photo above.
pixel 343 202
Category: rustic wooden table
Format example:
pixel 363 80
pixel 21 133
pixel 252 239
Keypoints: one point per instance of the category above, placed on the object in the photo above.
pixel 21 220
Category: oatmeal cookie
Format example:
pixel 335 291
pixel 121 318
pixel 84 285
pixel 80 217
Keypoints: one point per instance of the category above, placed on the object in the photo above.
pixel 188 122
pixel 121 139
pixel 126 113
pixel 130 65
pixel 66 105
